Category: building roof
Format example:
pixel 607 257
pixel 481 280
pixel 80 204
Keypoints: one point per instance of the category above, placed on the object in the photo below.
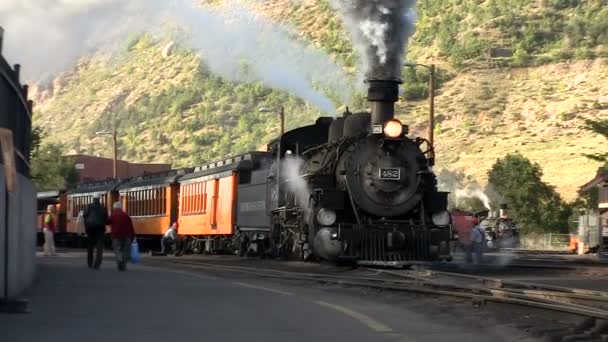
pixel 601 177
pixel 49 194
pixel 91 168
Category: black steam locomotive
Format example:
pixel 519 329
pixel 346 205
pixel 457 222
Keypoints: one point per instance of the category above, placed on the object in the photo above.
pixel 357 188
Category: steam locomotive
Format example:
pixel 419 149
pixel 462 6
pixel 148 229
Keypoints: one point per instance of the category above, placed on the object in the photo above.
pixel 368 195
pixel 354 189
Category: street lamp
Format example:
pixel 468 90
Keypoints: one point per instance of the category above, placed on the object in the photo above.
pixel 113 134
pixel 431 69
pixel 281 113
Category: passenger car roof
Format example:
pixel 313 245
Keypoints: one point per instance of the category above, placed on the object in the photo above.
pixel 248 161
pixel 155 179
pixel 96 187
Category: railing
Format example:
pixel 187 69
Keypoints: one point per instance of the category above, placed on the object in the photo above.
pixel 15 111
pixel 547 242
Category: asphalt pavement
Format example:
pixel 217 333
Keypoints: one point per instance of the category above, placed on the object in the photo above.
pixel 71 302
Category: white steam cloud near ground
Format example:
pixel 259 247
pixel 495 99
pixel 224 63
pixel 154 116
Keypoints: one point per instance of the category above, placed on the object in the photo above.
pixel 291 167
pixel 49 36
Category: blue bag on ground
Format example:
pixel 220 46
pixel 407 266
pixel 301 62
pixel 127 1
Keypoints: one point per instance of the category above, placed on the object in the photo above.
pixel 134 252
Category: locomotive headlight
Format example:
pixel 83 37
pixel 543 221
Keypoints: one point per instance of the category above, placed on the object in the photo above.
pixel 326 217
pixel 393 128
pixel 441 218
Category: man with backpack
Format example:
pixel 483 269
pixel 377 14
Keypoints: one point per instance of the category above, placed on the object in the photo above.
pixel 95 218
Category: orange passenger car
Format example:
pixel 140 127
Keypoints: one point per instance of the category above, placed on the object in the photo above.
pixel 151 201
pixel 209 198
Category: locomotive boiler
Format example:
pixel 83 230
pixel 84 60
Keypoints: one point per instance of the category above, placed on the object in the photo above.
pixel 362 191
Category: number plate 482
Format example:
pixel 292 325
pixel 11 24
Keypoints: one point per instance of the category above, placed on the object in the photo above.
pixel 389 173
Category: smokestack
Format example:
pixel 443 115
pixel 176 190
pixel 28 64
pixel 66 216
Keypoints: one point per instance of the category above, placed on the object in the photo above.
pixel 503 210
pixel 382 95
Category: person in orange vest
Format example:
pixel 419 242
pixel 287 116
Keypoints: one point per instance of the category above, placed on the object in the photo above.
pixel 49 225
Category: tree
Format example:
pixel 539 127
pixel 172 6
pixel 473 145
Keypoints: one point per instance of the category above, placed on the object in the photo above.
pixel 534 204
pixel 600 127
pixel 590 199
pixel 587 199
pixel 50 170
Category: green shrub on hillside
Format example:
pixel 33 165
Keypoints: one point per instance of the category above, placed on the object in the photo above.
pixel 464 30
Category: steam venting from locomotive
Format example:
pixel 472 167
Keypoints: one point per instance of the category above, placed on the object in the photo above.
pixel 476 193
pixel 290 167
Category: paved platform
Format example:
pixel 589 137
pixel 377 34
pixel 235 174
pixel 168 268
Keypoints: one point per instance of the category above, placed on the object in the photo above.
pixel 70 302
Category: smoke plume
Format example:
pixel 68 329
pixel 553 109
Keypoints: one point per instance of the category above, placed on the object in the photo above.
pixel 49 36
pixel 476 193
pixel 380 30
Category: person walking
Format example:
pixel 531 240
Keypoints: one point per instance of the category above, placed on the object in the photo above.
pixel 465 237
pixel 49 226
pixel 95 218
pixel 169 239
pixel 478 241
pixel 122 234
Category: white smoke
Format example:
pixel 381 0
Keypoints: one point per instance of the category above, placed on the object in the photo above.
pixel 232 35
pixel 380 30
pixel 473 192
pixel 49 36
pixel 296 184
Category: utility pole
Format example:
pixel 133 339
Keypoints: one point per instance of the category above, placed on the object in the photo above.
pixel 431 133
pixel 281 112
pixel 114 135
pixel 282 115
pixel 432 112
pixel 115 154
pixel 432 105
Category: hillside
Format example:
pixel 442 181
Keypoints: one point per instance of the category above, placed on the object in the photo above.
pixel 552 73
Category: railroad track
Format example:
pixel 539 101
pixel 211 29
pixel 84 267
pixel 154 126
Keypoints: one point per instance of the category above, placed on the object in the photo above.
pixel 586 303
pixel 534 251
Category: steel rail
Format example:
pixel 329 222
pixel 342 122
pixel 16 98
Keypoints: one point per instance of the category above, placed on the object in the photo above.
pixel 492 294
pixel 500 282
